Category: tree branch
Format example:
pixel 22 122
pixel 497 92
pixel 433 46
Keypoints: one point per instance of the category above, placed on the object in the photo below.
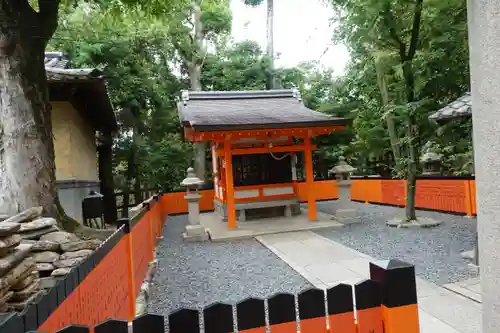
pixel 389 21
pixel 48 13
pixel 19 10
pixel 415 31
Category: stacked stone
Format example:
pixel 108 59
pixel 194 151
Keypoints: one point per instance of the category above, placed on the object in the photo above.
pixel 19 281
pixel 56 253
pixel 33 254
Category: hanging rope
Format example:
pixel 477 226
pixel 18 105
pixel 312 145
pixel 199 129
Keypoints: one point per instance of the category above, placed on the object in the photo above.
pixel 275 157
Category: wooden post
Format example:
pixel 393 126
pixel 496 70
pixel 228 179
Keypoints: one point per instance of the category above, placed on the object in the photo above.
pixel 311 200
pixel 231 209
pixel 130 267
pixel 399 295
pixel 215 170
pixel 468 200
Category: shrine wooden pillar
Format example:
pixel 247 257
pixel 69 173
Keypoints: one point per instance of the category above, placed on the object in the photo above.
pixel 231 208
pixel 311 200
pixel 215 170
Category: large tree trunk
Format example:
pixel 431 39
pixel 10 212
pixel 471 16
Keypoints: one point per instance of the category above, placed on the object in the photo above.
pixel 27 159
pixel 270 42
pixel 27 163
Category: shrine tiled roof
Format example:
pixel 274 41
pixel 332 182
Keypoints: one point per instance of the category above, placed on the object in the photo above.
pixel 58 69
pixel 84 87
pixel 462 107
pixel 230 110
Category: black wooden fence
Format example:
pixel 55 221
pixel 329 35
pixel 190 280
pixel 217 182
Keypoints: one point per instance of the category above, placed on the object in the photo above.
pixel 387 302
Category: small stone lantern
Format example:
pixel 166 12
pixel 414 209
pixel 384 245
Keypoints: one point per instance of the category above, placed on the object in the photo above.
pixel 342 173
pixel 431 163
pixel 194 231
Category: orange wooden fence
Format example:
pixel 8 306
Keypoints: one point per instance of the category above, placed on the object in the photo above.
pixel 440 194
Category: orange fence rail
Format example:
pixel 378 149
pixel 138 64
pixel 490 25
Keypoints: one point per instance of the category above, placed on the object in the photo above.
pixel 107 283
pixel 440 194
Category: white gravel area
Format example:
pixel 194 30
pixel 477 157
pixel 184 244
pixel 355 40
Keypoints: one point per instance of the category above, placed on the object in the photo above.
pixel 195 275
pixel 435 252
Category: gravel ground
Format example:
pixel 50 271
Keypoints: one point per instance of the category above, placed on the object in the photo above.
pixel 435 252
pixel 194 275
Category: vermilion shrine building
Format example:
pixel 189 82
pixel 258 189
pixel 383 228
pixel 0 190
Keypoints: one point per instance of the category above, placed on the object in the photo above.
pixel 254 136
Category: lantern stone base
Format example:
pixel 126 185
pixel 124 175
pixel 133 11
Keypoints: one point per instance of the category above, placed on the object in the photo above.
pixel 421 222
pixel 195 233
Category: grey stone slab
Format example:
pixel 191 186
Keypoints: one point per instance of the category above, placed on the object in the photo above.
pixel 332 272
pixel 8 228
pixel 454 310
pixel 430 324
pixel 360 266
pixel 466 292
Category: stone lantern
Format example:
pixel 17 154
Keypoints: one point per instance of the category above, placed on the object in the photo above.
pixel 431 163
pixel 194 230
pixel 342 173
pixel 430 160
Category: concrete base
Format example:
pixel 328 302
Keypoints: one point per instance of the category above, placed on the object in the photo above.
pixel 345 213
pixel 273 225
pixel 468 255
pixel 195 233
pixel 421 222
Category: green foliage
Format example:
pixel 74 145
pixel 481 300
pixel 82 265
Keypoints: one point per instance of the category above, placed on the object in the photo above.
pixel 378 35
pixel 240 67
pixel 168 159
pixel 147 51
pixel 136 60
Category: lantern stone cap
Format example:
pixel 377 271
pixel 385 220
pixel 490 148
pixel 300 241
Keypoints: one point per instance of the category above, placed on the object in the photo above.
pixel 430 157
pixel 342 167
pixel 191 179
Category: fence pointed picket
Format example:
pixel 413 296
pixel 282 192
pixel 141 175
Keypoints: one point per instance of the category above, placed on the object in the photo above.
pixel 251 315
pixel 399 295
pixel 74 329
pixel 282 315
pixel 312 312
pixel 218 318
pixel 184 321
pixel 149 323
pixel 368 307
pixel 112 326
pixel 341 309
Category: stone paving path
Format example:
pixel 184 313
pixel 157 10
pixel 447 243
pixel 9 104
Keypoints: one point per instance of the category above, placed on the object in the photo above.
pixel 325 263
pixel 470 288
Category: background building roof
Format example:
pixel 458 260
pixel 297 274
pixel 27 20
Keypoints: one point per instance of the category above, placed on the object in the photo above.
pixel 462 107
pixel 230 110
pixel 85 88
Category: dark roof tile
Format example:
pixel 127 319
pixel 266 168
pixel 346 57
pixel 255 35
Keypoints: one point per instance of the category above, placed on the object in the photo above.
pixel 217 110
pixel 459 108
pixel 58 69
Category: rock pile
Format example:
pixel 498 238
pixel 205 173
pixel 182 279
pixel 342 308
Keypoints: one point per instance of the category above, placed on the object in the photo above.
pixel 33 254
pixel 56 253
pixel 19 282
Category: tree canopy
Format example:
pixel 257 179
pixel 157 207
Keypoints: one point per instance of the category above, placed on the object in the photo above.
pixel 408 58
